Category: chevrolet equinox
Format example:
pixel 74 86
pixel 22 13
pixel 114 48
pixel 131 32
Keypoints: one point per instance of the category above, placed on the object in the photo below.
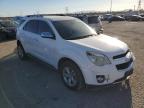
pixel 72 47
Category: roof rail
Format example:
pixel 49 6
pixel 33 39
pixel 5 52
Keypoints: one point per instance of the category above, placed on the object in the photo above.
pixel 41 15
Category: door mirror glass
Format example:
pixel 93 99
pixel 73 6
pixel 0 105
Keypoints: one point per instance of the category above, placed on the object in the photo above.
pixel 47 35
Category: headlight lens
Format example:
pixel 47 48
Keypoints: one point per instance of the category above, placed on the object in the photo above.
pixel 98 59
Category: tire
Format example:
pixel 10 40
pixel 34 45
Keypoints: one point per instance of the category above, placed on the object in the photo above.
pixel 72 76
pixel 21 53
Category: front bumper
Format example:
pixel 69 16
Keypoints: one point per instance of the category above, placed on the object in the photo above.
pixel 124 78
pixel 126 75
pixel 108 74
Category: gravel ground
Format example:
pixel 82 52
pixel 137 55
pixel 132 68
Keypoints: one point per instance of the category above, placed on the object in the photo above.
pixel 133 34
pixel 34 84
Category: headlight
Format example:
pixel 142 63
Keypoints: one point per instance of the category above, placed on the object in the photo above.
pixel 98 59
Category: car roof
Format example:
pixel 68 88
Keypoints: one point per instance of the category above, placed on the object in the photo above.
pixel 53 18
pixel 58 18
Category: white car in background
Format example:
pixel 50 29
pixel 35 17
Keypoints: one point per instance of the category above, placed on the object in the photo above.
pixel 95 23
pixel 71 46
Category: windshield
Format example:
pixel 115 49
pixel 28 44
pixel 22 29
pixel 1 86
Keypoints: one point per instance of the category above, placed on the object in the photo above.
pixel 73 29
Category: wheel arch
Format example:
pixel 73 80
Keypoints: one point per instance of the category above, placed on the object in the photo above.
pixel 63 59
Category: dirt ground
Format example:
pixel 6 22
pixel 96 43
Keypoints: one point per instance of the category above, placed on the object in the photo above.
pixel 133 34
pixel 33 84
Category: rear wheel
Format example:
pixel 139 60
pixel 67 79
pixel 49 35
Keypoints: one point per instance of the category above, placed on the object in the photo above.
pixel 72 76
pixel 20 51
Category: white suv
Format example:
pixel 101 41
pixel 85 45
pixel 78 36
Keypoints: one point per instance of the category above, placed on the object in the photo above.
pixel 71 46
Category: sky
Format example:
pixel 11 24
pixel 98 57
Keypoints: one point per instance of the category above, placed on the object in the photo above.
pixel 26 7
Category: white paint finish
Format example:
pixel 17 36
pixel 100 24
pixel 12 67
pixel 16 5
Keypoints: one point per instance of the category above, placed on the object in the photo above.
pixel 52 50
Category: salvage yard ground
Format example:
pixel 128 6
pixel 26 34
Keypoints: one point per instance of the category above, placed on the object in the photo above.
pixel 33 84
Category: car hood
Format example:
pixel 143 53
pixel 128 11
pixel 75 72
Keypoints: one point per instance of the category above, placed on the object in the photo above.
pixel 102 43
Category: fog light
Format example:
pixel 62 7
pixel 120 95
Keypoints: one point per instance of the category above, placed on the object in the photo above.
pixel 100 78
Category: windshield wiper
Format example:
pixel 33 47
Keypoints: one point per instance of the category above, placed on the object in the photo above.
pixel 81 37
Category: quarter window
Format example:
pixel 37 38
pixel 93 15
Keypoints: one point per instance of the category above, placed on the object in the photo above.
pixel 31 26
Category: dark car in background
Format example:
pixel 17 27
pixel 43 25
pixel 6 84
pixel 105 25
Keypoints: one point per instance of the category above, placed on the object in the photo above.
pixel 7 29
pixel 142 15
pixel 106 17
pixel 134 18
pixel 116 18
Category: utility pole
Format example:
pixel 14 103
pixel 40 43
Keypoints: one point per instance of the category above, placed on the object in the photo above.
pixel 66 10
pixel 111 2
pixel 139 5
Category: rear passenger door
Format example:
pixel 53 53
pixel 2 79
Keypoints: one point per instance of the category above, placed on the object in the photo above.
pixel 30 35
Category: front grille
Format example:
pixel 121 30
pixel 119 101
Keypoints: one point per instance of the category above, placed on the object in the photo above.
pixel 121 55
pixel 124 65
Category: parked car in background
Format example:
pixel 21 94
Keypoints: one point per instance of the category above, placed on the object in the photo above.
pixel 8 28
pixel 107 16
pixel 134 18
pixel 2 35
pixel 116 18
pixel 74 48
pixel 142 15
pixel 81 17
pixel 18 20
pixel 93 21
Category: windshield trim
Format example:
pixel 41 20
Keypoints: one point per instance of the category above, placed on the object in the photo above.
pixel 82 37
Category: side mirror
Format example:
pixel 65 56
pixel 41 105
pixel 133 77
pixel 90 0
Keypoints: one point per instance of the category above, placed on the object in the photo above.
pixel 47 35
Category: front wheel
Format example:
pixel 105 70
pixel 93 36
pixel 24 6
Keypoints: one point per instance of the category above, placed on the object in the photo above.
pixel 72 76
